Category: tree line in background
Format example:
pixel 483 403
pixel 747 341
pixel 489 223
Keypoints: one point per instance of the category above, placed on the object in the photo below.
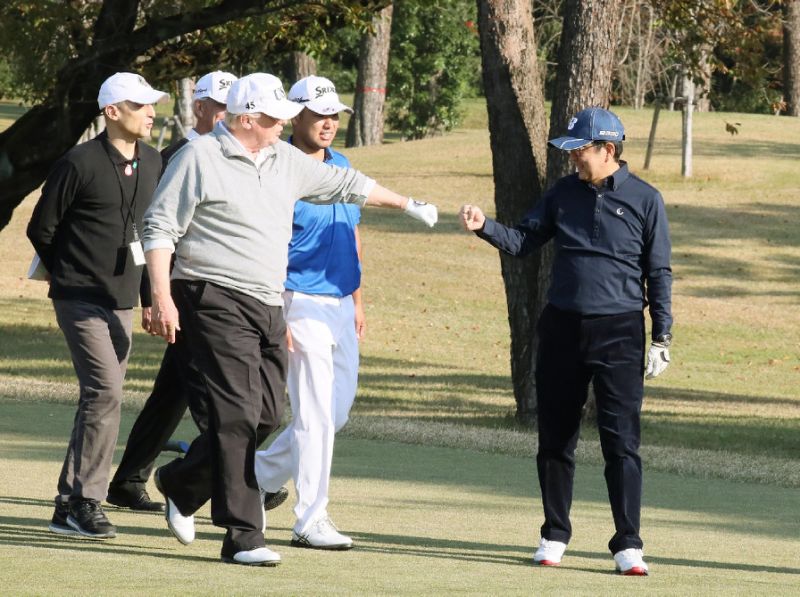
pixel 420 56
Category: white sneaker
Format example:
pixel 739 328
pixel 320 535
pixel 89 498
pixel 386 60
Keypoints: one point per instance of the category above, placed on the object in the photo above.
pixel 322 535
pixel 549 553
pixel 258 556
pixel 181 526
pixel 630 563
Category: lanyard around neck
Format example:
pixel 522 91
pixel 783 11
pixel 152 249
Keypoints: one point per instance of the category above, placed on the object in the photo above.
pixel 130 205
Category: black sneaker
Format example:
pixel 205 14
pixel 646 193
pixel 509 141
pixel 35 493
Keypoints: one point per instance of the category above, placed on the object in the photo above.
pixel 88 518
pixel 137 500
pixel 58 524
pixel 273 500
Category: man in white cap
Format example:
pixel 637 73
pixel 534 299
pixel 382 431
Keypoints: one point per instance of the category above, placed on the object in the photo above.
pixel 85 228
pixel 208 106
pixel 612 258
pixel 325 318
pixel 230 234
pixel 164 408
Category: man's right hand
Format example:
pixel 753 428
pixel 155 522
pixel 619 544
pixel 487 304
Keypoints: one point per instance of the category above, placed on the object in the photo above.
pixel 165 322
pixel 424 212
pixel 472 218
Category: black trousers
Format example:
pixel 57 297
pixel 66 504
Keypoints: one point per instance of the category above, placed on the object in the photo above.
pixel 238 345
pixel 176 384
pixel 609 352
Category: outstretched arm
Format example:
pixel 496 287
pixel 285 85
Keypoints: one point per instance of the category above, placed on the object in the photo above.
pixel 382 197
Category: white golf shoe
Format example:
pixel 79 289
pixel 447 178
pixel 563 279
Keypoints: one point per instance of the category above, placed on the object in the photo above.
pixel 181 526
pixel 549 553
pixel 323 534
pixel 258 556
pixel 630 563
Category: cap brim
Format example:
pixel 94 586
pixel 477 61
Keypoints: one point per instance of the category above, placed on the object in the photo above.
pixel 569 143
pixel 148 96
pixel 282 109
pixel 327 108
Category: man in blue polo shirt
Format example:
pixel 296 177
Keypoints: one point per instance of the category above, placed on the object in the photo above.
pixel 325 319
pixel 612 258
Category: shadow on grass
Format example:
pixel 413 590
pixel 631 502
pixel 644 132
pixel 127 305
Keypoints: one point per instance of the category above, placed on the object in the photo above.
pixel 695 226
pixel 738 147
pixel 40 352
pixel 449 549
pixel 679 395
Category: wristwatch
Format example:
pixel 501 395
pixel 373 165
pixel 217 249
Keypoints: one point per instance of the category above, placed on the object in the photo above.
pixel 665 339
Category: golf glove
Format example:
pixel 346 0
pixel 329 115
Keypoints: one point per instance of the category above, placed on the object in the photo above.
pixel 424 212
pixel 657 360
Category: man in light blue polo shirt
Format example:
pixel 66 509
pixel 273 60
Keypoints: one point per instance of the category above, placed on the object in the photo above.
pixel 325 319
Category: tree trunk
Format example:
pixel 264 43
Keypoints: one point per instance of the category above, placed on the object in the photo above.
pixel 702 101
pixel 688 108
pixel 515 104
pixel 366 123
pixel 183 113
pixel 791 56
pixel 586 60
pixel 301 65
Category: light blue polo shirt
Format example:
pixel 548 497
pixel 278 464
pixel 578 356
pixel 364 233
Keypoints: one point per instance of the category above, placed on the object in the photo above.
pixel 322 253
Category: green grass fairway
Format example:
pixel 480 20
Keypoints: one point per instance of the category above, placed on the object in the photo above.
pixel 432 477
pixel 426 521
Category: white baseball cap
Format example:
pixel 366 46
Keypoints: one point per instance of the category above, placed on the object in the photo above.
pixel 214 85
pixel 260 92
pixel 318 94
pixel 120 87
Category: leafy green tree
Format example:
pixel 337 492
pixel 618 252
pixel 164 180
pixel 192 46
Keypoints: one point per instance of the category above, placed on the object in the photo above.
pixel 60 52
pixel 434 62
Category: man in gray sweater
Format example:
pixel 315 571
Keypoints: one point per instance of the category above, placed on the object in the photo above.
pixel 225 206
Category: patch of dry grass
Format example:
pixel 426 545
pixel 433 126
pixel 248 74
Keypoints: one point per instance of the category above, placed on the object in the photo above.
pixel 437 342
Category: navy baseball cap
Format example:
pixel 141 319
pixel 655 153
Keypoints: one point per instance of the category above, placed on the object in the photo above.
pixel 590 124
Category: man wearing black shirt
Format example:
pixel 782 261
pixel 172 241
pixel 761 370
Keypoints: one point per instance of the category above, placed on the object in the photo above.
pixel 612 258
pixel 85 228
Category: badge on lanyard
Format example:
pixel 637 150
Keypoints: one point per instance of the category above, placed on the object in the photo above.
pixel 137 252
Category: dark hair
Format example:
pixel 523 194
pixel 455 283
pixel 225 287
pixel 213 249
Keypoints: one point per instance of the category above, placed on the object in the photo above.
pixel 617 147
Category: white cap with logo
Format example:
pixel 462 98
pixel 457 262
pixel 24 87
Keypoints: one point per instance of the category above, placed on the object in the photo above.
pixel 318 94
pixel 120 87
pixel 261 92
pixel 214 85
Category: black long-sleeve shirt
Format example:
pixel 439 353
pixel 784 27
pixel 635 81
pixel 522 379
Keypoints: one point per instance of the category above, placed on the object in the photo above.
pixel 84 221
pixel 612 246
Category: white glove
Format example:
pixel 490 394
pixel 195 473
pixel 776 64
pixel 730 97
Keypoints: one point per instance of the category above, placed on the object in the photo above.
pixel 424 212
pixel 657 360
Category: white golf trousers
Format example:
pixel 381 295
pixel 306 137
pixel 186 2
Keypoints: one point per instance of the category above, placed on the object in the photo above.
pixel 321 381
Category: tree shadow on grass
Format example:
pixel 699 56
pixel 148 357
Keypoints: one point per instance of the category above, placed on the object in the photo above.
pixel 449 549
pixel 675 394
pixel 696 227
pixel 738 147
pixel 33 533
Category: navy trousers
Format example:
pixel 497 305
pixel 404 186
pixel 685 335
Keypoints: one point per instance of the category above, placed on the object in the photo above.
pixel 607 351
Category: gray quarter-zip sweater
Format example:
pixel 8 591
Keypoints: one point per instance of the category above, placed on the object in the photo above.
pixel 229 220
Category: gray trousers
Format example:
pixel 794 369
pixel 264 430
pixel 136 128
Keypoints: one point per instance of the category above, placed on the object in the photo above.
pixel 99 341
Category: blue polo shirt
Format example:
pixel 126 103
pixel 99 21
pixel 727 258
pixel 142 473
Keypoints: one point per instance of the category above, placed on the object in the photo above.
pixel 322 253
pixel 612 246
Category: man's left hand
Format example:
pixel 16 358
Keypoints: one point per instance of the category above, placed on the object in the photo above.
pixel 361 321
pixel 147 318
pixel 657 360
